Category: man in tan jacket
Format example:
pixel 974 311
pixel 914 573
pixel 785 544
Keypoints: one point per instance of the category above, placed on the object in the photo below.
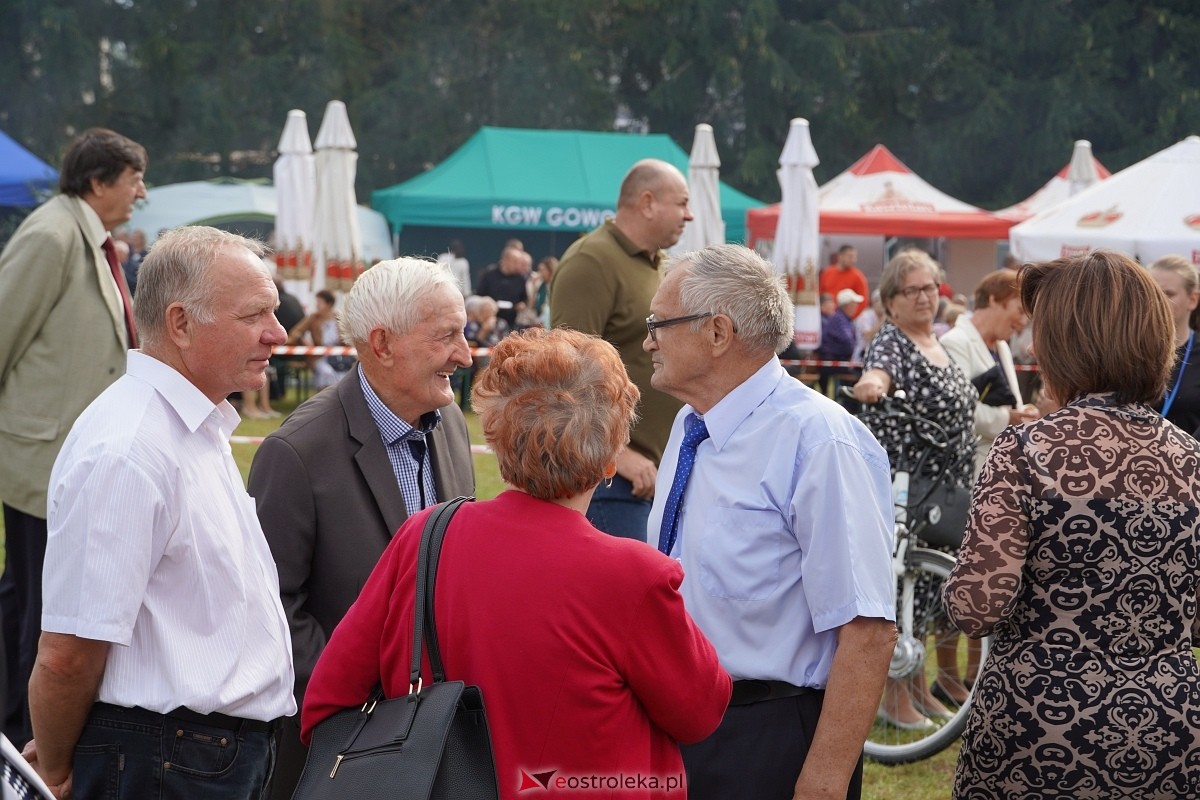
pixel 65 325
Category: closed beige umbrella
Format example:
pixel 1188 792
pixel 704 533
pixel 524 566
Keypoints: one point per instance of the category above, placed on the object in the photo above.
pixel 337 242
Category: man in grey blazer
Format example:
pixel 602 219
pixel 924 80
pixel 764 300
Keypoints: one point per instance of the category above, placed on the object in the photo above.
pixel 342 473
pixel 65 325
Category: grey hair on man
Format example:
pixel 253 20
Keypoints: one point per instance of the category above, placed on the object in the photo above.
pixel 176 270
pixel 388 294
pixel 736 281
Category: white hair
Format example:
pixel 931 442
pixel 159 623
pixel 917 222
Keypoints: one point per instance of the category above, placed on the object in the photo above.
pixel 735 281
pixel 388 296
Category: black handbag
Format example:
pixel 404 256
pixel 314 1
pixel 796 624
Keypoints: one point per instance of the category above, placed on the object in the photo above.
pixel 993 388
pixel 939 512
pixel 431 743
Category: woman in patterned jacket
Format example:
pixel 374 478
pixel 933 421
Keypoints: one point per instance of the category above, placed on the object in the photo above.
pixel 1082 557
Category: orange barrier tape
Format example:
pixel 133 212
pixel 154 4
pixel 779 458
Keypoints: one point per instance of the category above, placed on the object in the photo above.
pixel 479 352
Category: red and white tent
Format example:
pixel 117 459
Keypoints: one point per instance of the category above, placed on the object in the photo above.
pixel 1082 171
pixel 880 196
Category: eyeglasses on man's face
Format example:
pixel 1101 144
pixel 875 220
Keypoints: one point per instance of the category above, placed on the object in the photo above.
pixel 911 292
pixel 653 324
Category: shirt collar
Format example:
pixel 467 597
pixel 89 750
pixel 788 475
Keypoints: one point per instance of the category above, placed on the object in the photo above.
pixel 93 227
pixel 391 428
pixel 655 257
pixel 732 409
pixel 189 403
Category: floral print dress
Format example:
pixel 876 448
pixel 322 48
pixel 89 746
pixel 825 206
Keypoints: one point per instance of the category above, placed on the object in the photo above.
pixel 942 395
pixel 1082 559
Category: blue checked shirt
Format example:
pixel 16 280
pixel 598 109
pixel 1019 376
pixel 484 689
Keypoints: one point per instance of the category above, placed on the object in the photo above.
pixel 414 478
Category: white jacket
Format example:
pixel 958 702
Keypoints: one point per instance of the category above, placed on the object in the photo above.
pixel 966 347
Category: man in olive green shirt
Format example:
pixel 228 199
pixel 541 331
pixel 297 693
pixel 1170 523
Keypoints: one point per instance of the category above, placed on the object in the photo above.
pixel 603 286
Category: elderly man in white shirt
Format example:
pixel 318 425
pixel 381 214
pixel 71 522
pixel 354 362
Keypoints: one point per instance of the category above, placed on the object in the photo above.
pixel 165 655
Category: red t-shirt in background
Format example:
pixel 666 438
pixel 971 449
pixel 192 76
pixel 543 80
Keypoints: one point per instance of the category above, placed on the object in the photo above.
pixel 834 279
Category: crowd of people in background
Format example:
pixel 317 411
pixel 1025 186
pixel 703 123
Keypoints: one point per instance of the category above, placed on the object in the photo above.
pixel 692 559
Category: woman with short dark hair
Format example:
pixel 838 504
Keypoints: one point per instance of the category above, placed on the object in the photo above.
pixel 588 663
pixel 1082 558
pixel 320 328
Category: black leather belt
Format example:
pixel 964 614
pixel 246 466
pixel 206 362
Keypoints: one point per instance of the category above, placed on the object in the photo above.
pixel 747 692
pixel 214 720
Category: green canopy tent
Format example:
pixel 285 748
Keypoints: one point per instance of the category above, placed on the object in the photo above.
pixel 516 182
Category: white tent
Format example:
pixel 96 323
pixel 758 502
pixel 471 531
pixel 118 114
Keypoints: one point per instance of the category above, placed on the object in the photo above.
pixel 1082 171
pixel 226 201
pixel 1148 210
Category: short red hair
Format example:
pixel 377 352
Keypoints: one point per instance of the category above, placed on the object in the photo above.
pixel 556 407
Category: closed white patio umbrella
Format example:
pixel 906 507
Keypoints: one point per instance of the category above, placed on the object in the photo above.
pixel 295 174
pixel 704 179
pixel 337 242
pixel 797 242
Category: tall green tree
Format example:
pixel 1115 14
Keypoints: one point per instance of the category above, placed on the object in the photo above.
pixel 982 97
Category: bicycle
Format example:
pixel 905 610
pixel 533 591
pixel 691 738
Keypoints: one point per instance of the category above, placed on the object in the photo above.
pixel 919 572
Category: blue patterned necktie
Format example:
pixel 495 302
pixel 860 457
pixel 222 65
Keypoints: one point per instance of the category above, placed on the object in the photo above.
pixel 694 432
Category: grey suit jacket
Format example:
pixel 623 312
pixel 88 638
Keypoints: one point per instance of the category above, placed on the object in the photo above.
pixel 62 342
pixel 329 504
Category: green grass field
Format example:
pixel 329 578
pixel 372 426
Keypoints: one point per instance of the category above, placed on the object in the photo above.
pixel 927 780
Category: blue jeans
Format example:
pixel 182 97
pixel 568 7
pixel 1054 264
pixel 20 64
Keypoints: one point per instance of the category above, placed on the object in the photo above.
pixel 616 511
pixel 128 753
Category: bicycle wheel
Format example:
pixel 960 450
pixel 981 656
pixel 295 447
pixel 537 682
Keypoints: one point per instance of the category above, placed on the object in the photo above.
pixel 923 627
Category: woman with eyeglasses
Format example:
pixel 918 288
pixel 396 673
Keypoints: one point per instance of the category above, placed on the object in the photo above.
pixel 905 355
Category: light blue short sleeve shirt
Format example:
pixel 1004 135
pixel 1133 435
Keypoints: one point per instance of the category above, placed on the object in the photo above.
pixel 785 532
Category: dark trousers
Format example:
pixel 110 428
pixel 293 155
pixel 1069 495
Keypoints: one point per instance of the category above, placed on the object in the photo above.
pixel 277 377
pixel 616 511
pixel 132 754
pixel 290 761
pixel 757 751
pixel 21 605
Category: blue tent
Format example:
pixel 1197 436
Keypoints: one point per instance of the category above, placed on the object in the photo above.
pixel 25 180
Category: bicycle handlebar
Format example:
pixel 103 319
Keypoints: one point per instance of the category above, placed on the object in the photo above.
pixel 896 400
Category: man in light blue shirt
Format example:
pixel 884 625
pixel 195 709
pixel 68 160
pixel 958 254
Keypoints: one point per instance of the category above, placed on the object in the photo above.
pixel 784 530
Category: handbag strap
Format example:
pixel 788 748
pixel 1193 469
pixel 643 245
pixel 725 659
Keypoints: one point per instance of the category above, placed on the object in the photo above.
pixel 427 563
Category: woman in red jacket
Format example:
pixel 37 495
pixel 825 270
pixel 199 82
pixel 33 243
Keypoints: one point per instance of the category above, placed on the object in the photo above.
pixel 591 670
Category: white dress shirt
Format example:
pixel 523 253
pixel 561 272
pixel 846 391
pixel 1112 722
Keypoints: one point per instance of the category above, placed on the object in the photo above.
pixel 155 546
pixel 785 530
